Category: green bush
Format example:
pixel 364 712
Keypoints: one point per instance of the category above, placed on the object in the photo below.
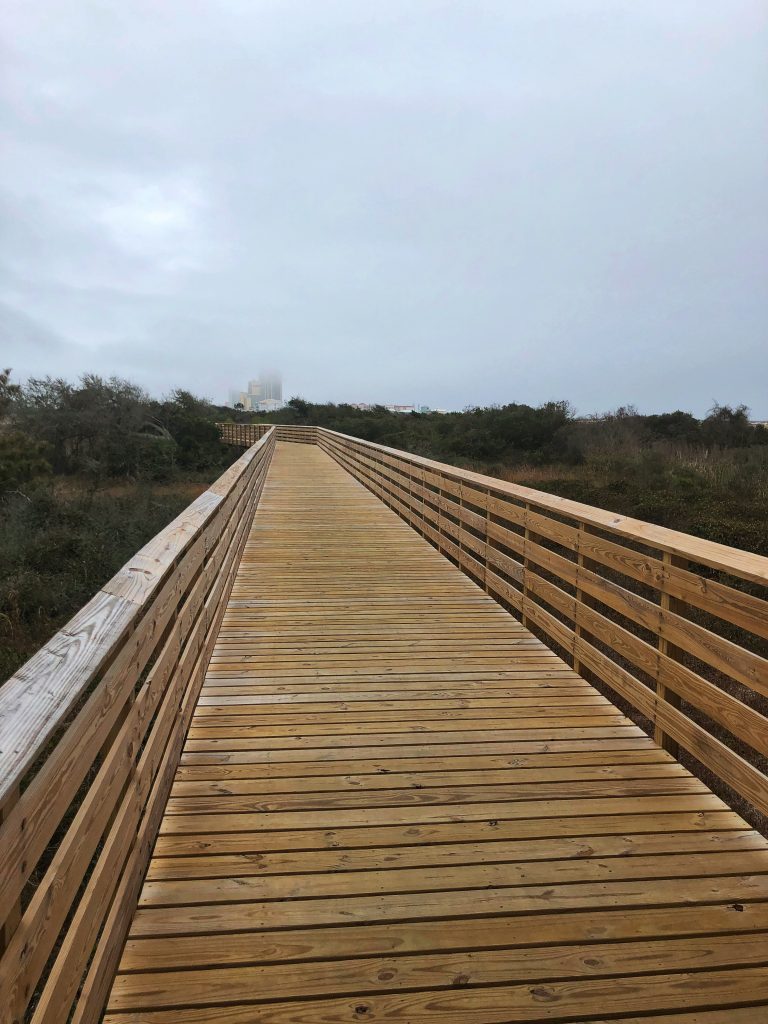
pixel 56 551
pixel 21 459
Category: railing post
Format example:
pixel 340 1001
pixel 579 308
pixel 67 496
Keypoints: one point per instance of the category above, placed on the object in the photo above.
pixel 412 508
pixel 527 537
pixel 663 693
pixel 579 597
pixel 487 537
pixel 439 516
pixel 460 526
pixel 422 484
pixel 11 923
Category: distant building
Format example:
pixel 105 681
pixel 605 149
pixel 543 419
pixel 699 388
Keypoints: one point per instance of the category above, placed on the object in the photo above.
pixel 271 387
pixel 366 407
pixel 255 392
pixel 238 398
pixel 264 394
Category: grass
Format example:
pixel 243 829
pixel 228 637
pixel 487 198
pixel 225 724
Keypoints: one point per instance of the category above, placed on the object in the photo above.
pixel 721 497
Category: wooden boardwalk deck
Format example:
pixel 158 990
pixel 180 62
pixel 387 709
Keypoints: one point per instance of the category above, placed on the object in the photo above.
pixel 395 804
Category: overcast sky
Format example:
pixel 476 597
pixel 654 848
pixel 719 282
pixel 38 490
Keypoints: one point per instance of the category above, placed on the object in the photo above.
pixel 452 202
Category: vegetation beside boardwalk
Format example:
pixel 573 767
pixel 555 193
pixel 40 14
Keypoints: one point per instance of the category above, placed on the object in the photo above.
pixel 90 471
pixel 708 477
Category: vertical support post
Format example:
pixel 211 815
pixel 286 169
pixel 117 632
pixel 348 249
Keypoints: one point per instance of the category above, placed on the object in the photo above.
pixel 404 468
pixel 416 512
pixel 440 516
pixel 527 536
pixel 579 596
pixel 413 499
pixel 11 923
pixel 417 517
pixel 460 517
pixel 663 694
pixel 487 537
pixel 110 740
pixel 378 476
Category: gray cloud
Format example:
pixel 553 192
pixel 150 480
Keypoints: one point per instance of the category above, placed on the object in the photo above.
pixel 449 202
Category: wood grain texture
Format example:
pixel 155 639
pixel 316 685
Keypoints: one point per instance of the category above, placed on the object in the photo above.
pixel 739 563
pixel 627 603
pixel 93 728
pixel 395 803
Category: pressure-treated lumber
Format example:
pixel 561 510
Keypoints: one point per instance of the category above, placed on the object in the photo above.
pixel 647 611
pixel 91 730
pixel 396 803
pixel 374 786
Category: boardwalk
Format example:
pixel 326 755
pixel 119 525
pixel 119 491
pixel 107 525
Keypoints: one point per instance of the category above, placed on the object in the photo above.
pixel 395 804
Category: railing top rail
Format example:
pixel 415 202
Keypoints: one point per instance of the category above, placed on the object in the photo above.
pixel 734 561
pixel 36 700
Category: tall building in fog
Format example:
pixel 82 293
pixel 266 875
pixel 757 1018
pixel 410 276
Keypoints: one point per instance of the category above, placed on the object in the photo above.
pixel 238 398
pixel 272 387
pixel 264 394
pixel 267 388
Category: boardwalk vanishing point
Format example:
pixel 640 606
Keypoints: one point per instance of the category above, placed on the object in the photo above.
pixel 319 772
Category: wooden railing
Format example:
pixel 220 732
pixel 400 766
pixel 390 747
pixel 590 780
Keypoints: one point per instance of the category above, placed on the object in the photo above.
pixel 249 433
pixel 673 625
pixel 91 730
pixel 244 434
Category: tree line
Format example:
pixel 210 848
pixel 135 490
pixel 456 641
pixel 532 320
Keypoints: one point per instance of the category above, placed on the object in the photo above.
pixel 90 470
pixel 103 429
pixel 517 433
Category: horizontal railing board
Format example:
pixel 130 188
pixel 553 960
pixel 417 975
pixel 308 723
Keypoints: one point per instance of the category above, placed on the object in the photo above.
pixel 137 794
pixel 249 433
pixel 31 823
pixel 102 711
pixel 113 693
pixel 739 563
pixel 38 697
pixel 104 965
pixel 546 557
pixel 248 849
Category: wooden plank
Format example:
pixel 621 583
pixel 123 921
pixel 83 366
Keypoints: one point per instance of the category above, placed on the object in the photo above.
pixel 208 919
pixel 161 595
pixel 478 772
pixel 669 813
pixel 163 745
pixel 441 877
pixel 718 556
pixel 447 759
pixel 362 977
pixel 389 784
pixel 515 851
pixel 585 999
pixel 477 934
pixel 349 755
